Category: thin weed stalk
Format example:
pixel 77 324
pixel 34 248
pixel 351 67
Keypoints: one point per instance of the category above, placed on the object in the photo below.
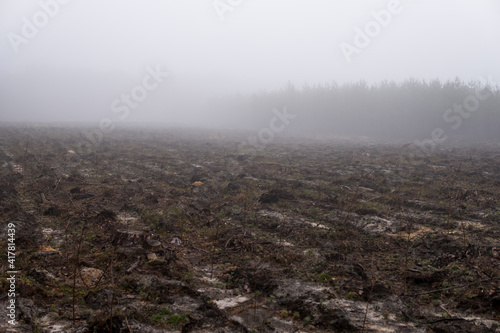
pixel 112 291
pixel 214 248
pixel 372 284
pixel 407 252
pixel 464 235
pixel 77 267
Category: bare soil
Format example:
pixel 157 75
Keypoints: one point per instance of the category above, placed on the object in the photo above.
pixel 176 231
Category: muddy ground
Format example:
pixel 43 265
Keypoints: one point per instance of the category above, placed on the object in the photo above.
pixel 175 231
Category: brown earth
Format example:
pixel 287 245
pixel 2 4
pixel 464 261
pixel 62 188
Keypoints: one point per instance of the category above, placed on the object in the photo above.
pixel 168 231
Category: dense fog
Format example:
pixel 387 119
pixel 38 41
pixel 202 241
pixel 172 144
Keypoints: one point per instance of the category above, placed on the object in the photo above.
pixel 392 111
pixel 369 69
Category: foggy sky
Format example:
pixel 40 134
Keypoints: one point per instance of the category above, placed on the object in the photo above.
pixel 260 44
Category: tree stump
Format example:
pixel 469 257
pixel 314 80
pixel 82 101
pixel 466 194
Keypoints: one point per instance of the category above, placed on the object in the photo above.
pixel 127 237
pixel 151 245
